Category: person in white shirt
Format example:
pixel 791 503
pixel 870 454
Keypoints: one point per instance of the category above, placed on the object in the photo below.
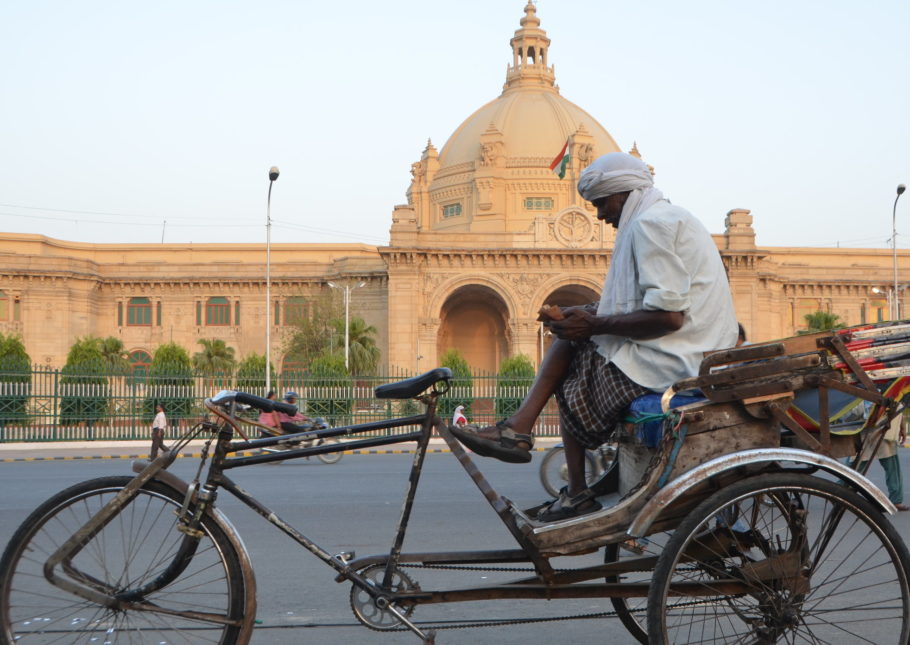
pixel 665 302
pixel 159 425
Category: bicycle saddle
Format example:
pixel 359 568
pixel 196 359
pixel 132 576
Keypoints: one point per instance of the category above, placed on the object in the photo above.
pixel 411 387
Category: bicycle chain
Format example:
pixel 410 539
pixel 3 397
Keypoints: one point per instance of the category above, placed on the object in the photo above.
pixel 655 461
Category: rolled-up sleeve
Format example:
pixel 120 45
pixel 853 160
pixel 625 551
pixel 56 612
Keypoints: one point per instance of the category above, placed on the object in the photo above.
pixel 662 276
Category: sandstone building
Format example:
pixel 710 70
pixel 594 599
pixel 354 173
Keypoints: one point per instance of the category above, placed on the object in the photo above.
pixel 488 234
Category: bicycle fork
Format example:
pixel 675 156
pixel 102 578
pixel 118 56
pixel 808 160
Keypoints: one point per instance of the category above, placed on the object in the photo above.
pixel 91 589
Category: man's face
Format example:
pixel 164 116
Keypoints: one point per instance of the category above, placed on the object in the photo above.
pixel 609 208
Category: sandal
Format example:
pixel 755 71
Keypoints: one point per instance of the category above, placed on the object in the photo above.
pixel 565 507
pixel 502 445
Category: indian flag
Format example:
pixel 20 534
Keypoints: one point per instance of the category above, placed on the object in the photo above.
pixel 561 162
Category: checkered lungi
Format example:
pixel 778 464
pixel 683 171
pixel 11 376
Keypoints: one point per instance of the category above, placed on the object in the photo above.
pixel 594 396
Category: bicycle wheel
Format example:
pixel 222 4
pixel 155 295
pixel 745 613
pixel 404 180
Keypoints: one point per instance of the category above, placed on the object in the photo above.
pixel 632 612
pixel 132 549
pixel 782 558
pixel 331 457
pixel 554 473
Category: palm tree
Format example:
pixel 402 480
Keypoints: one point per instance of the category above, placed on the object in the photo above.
pixel 363 353
pixel 114 354
pixel 822 321
pixel 215 359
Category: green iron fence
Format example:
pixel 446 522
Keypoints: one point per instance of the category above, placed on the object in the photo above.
pixel 37 406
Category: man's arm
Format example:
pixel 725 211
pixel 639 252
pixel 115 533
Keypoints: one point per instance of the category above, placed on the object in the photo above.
pixel 579 324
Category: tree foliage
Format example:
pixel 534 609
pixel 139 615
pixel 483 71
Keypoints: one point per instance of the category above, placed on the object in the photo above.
pixel 15 380
pixel 315 335
pixel 462 387
pixel 170 383
pixel 516 373
pixel 363 356
pixel 822 321
pixel 84 385
pixel 331 389
pixel 251 374
pixel 114 355
pixel 215 362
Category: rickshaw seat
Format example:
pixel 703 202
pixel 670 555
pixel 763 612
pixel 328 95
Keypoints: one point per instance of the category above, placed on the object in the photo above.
pixel 646 414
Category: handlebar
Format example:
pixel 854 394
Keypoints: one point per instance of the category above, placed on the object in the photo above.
pixel 261 404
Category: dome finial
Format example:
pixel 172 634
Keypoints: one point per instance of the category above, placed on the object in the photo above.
pixel 530 48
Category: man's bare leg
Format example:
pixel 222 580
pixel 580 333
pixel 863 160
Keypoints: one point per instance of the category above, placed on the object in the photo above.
pixel 511 439
pixel 553 370
pixel 575 463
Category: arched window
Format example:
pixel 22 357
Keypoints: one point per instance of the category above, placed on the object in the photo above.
pixel 140 360
pixel 217 311
pixel 4 306
pixel 139 312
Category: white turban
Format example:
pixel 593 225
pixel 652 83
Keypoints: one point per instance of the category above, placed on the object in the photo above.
pixel 609 174
pixel 616 172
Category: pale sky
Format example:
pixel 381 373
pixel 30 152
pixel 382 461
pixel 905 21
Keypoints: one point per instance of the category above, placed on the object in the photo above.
pixel 117 116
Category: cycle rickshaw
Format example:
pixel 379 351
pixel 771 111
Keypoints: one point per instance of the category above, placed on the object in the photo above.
pixel 768 537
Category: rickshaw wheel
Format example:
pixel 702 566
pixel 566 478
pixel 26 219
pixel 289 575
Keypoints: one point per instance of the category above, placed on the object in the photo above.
pixel 632 611
pixel 819 563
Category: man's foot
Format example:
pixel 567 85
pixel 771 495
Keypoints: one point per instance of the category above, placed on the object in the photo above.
pixel 499 441
pixel 565 507
pixel 902 507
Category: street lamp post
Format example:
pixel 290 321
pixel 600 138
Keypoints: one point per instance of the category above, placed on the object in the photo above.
pixel 273 175
pixel 900 191
pixel 346 290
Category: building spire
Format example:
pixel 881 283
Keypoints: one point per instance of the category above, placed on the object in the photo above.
pixel 530 49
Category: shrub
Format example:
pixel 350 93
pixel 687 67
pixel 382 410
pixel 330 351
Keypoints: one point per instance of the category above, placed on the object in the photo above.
pixel 85 394
pixel 330 389
pixel 516 374
pixel 15 380
pixel 251 374
pixel 170 382
pixel 461 391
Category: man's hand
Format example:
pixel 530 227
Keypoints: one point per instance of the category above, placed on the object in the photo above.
pixel 577 324
pixel 580 324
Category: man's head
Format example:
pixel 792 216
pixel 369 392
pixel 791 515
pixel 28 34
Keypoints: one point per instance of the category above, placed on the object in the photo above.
pixel 291 397
pixel 609 180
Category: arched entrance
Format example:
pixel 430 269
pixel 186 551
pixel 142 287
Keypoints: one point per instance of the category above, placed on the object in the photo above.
pixel 474 320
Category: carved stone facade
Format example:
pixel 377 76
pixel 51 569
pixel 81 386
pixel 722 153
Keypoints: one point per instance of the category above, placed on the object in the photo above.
pixel 488 234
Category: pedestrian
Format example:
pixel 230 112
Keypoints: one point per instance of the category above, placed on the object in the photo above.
pixel 890 460
pixel 459 419
pixel 159 425
pixel 665 302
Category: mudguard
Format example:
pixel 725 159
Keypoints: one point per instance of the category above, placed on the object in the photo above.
pixel 676 488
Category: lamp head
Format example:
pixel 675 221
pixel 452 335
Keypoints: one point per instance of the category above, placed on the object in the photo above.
pixel 901 188
pixel 273 173
pixel 332 284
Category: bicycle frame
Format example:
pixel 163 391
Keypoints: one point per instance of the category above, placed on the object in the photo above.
pixel 200 499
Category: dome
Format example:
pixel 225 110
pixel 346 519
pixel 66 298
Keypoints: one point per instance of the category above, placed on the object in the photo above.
pixel 533 119
pixel 534 122
pixel 495 173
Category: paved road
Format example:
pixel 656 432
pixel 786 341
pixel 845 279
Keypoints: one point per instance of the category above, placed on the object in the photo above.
pixel 353 505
